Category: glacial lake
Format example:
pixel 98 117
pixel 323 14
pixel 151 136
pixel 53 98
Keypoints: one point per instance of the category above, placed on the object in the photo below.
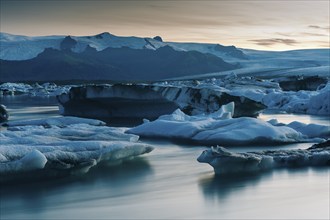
pixel 168 183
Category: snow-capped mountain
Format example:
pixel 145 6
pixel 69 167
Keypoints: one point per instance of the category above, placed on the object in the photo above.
pixel 17 47
pixel 265 64
pixel 119 64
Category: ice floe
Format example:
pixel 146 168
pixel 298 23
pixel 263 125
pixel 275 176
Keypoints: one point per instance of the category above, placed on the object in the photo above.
pixel 226 162
pixel 45 89
pixel 220 128
pixel 64 146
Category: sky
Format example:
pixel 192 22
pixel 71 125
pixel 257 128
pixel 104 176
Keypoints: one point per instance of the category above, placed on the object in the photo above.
pixel 258 24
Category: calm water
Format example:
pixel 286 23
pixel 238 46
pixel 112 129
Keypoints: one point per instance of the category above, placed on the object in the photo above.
pixel 168 183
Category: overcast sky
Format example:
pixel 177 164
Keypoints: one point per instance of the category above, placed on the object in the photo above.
pixel 261 24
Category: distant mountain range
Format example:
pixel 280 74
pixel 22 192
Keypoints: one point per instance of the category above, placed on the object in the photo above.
pixel 119 64
pixel 17 47
pixel 109 57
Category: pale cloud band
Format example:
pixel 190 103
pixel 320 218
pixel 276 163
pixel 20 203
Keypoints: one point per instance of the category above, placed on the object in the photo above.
pixel 273 41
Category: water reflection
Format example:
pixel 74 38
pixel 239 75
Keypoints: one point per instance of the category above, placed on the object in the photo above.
pixel 98 184
pixel 217 188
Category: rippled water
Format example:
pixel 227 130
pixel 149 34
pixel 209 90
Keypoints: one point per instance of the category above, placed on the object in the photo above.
pixel 168 183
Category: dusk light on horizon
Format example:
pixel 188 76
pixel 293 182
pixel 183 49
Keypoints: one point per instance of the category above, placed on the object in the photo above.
pixel 261 25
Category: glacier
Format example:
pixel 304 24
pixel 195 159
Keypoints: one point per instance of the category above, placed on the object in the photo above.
pixel 226 162
pixel 220 128
pixel 63 146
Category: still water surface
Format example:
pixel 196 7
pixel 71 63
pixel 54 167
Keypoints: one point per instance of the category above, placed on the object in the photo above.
pixel 168 183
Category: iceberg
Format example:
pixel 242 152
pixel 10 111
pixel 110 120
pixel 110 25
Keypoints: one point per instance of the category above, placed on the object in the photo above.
pixel 63 146
pixel 270 93
pixel 221 128
pixel 226 162
pixel 307 102
pixel 138 101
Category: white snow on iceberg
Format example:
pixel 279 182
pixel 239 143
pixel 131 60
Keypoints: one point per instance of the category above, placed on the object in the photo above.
pixel 64 145
pixel 307 102
pixel 226 162
pixel 220 128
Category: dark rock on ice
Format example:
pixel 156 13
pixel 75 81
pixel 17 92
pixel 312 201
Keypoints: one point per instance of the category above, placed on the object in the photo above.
pixel 321 145
pixel 4 115
pixel 158 38
pixel 296 83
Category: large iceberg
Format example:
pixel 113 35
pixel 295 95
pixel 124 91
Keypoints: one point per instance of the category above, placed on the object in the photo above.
pixel 315 102
pixel 226 162
pixel 124 101
pixel 221 128
pixel 63 146
pixel 307 102
pixel 270 93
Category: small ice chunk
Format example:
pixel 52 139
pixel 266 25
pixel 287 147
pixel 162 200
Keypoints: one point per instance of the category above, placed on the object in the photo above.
pixel 226 162
pixel 33 160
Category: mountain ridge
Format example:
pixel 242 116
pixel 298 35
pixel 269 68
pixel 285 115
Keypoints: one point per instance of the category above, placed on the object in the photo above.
pixel 20 47
pixel 118 64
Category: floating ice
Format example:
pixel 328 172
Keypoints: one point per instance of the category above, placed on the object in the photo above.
pixel 149 101
pixel 307 102
pixel 226 162
pixel 220 128
pixel 270 93
pixel 45 89
pixel 64 145
pixel 57 121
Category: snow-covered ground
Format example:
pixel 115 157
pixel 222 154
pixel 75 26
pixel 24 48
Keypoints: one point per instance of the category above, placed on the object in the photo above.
pixel 63 146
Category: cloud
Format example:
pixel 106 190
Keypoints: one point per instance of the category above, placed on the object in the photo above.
pixel 319 27
pixel 273 41
pixel 301 34
pixel 313 34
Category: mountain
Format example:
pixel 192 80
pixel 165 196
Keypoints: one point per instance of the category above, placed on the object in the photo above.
pixel 17 47
pixel 263 64
pixel 119 64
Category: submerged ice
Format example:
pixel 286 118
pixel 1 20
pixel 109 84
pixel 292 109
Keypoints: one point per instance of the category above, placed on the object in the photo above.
pixel 226 162
pixel 64 145
pixel 221 128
